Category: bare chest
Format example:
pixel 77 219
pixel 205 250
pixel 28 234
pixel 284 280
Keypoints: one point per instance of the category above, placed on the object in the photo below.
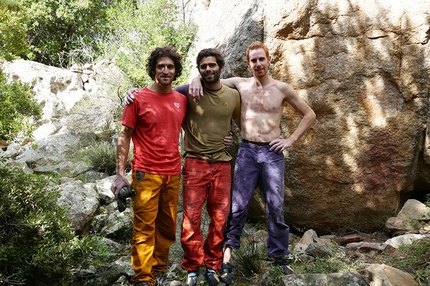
pixel 264 101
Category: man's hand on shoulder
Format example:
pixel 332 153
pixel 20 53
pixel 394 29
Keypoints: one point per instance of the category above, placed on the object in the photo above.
pixel 128 96
pixel 196 88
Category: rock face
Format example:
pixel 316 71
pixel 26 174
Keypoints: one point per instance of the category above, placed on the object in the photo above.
pixel 363 67
pixel 73 101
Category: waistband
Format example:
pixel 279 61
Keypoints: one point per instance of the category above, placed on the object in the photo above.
pixel 256 143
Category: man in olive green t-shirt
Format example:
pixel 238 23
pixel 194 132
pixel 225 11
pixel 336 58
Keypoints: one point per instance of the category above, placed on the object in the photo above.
pixel 206 174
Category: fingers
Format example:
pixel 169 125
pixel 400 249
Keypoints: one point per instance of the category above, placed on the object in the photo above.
pixel 117 184
pixel 228 140
pixel 115 189
pixel 195 92
pixel 276 149
pixel 278 146
pixel 129 97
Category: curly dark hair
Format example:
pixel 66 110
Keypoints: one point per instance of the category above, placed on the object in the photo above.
pixel 211 53
pixel 160 52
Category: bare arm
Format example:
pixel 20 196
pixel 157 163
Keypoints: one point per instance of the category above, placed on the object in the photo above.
pixel 122 150
pixel 232 82
pixel 196 87
pixel 308 119
pixel 236 113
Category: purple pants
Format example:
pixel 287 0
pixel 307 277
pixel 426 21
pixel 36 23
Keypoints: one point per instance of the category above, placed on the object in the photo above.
pixel 257 166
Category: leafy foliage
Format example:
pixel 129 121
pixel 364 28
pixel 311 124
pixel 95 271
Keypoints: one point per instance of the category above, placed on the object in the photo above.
pixel 415 258
pixel 250 258
pixel 137 30
pixel 37 242
pixel 35 232
pixel 13 28
pixel 18 111
pixel 102 156
pixel 64 31
pixel 326 265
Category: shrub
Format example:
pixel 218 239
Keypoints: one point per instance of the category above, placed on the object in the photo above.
pixel 137 28
pixel 37 242
pixel 63 32
pixel 35 232
pixel 18 111
pixel 251 254
pixel 414 258
pixel 13 28
pixel 102 156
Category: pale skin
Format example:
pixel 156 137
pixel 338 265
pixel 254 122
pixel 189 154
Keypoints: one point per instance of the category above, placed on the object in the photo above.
pixel 164 76
pixel 263 100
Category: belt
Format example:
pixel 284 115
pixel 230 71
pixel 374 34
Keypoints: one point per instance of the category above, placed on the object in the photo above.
pixel 256 143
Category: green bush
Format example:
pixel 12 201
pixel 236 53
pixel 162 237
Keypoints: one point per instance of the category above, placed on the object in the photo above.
pixel 102 157
pixel 136 29
pixel 37 242
pixel 414 258
pixel 35 233
pixel 18 111
pixel 251 254
pixel 63 32
pixel 13 29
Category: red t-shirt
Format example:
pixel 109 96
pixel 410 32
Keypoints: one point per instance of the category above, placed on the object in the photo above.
pixel 156 120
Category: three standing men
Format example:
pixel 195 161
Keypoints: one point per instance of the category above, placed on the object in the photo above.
pixel 260 162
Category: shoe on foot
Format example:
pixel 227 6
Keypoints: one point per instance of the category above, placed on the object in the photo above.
pixel 284 265
pixel 226 276
pixel 211 277
pixel 192 278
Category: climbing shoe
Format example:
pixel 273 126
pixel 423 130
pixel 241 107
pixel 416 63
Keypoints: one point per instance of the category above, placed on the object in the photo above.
pixel 284 265
pixel 211 277
pixel 123 194
pixel 192 278
pixel 226 276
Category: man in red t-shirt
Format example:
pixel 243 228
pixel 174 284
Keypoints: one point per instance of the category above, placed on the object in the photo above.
pixel 154 122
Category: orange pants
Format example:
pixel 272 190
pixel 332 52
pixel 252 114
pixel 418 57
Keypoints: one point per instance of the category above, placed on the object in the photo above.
pixel 211 183
pixel 154 224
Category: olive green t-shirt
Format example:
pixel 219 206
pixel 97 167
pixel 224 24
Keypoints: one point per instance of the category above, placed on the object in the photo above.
pixel 209 121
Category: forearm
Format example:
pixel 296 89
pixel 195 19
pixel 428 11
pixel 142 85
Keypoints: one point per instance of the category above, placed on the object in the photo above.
pixel 306 122
pixel 122 150
pixel 183 89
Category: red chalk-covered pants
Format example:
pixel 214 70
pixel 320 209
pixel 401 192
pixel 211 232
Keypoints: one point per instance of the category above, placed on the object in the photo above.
pixel 211 183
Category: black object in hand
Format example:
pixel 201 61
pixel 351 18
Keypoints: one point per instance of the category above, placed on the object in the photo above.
pixel 123 194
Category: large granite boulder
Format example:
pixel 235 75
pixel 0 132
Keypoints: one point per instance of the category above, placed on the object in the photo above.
pixel 363 67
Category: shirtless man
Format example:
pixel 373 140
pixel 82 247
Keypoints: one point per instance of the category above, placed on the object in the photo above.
pixel 260 161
